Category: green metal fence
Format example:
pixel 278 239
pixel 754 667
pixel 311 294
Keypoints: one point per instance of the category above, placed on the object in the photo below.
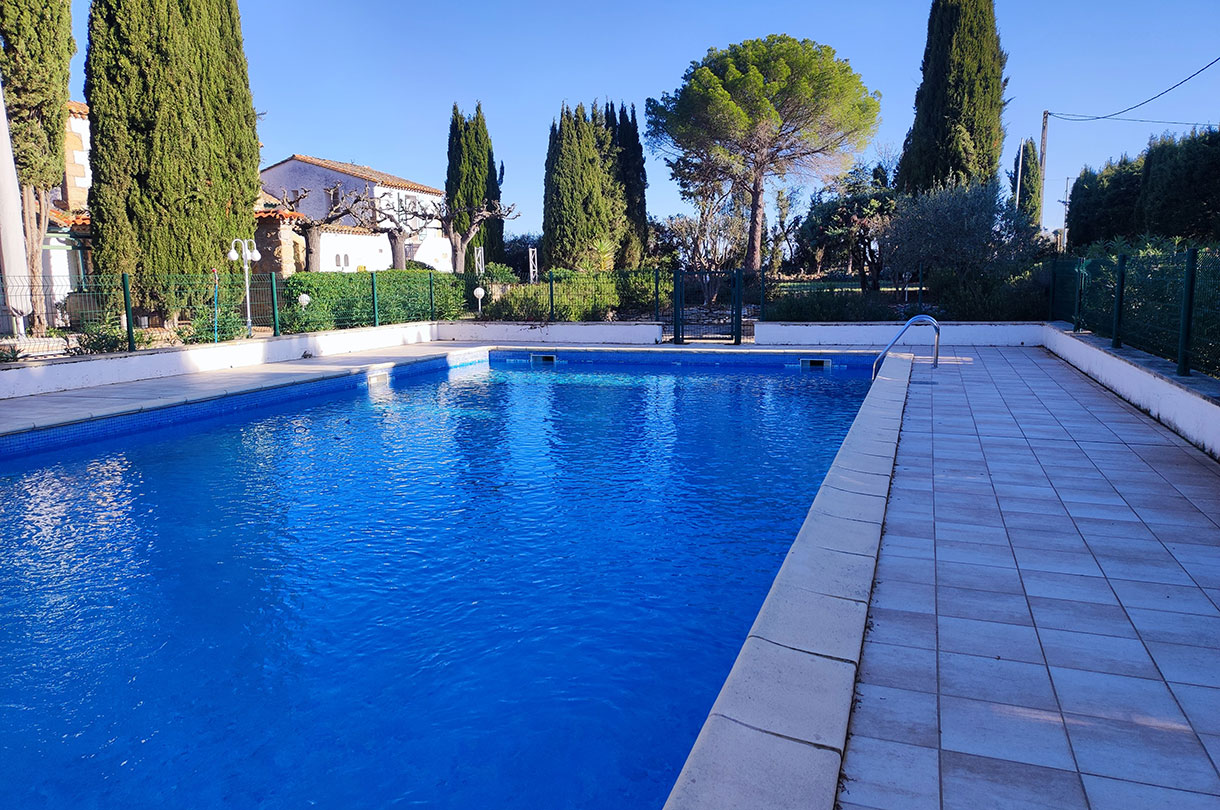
pixel 110 313
pixel 1165 305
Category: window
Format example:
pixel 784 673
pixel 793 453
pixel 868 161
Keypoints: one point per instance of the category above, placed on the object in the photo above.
pixel 337 262
pixel 346 263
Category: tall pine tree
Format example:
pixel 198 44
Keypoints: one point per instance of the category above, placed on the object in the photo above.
pixel 175 152
pixel 957 136
pixel 36 48
pixel 1026 169
pixel 472 177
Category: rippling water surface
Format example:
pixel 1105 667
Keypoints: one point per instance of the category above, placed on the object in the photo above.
pixel 496 588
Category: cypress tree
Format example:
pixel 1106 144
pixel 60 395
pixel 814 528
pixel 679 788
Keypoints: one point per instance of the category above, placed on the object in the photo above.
pixel 36 49
pixel 582 207
pixel 471 179
pixel 1025 166
pixel 957 136
pixel 175 152
pixel 633 177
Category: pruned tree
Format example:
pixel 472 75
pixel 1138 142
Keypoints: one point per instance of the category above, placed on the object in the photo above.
pixel 451 219
pixel 763 109
pixel 36 48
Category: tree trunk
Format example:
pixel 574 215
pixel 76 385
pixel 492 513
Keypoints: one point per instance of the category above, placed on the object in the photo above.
pixel 757 208
pixel 313 248
pixel 398 249
pixel 36 219
pixel 458 247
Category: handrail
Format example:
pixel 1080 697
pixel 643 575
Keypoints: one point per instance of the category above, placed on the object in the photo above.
pixel 918 319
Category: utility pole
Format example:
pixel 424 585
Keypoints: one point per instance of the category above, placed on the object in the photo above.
pixel 1020 167
pixel 1046 115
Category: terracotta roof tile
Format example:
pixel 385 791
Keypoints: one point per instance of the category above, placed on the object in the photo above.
pixel 365 173
pixel 78 109
pixel 278 213
pixel 68 219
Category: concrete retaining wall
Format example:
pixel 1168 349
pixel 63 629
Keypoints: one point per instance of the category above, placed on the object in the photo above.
pixel 622 332
pixel 1191 414
pixel 783 333
pixel 69 373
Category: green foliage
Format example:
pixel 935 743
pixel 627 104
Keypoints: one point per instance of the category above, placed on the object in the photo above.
pixel 496 273
pixel 471 179
pixel 958 135
pixel 104 337
pixel 637 291
pixel 10 354
pixel 174 153
pixel 844 222
pixel 760 109
pixel 36 49
pixel 1103 204
pixel 1025 164
pixel 967 232
pixel 345 300
pixel 988 297
pixel 578 297
pixel 208 325
pixel 829 305
pixel 582 200
pixel 1180 187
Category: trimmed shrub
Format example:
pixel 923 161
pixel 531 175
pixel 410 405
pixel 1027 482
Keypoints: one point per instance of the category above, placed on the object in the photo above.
pixel 345 300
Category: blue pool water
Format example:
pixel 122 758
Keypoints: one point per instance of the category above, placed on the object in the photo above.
pixel 494 587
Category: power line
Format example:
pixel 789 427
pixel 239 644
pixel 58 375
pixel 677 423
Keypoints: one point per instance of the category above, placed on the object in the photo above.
pixel 1141 104
pixel 1076 120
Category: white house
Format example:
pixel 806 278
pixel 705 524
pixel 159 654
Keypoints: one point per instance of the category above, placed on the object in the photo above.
pixel 345 246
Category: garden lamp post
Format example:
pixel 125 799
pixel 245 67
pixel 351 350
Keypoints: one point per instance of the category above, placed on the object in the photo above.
pixel 249 253
pixel 478 297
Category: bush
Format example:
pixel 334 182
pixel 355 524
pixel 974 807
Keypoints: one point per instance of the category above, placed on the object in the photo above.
pixel 346 299
pixel 581 297
pixel 637 292
pixel 826 306
pixel 496 273
pixel 295 319
pixel 108 336
pixel 228 326
pixel 987 298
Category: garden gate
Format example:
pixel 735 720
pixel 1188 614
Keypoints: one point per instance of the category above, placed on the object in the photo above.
pixel 707 305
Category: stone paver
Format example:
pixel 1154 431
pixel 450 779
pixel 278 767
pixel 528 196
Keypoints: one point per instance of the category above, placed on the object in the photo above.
pixel 1045 622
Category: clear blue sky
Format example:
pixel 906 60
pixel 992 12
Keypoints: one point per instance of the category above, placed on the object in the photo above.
pixel 375 83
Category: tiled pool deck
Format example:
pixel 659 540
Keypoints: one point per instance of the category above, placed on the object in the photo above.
pixel 1044 630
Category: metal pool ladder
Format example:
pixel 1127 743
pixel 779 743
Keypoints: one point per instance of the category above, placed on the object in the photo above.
pixel 918 319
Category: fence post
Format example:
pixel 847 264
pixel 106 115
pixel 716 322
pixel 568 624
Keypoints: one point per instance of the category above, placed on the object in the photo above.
pixel 551 283
pixel 1051 297
pixel 921 286
pixel 678 303
pixel 737 296
pixel 762 293
pixel 431 297
pixel 1120 283
pixel 1081 275
pixel 1188 306
pixel 131 326
pixel 656 293
pixel 275 307
pixel 376 314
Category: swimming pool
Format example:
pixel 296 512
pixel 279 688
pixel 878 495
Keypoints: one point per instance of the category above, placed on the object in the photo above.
pixel 500 586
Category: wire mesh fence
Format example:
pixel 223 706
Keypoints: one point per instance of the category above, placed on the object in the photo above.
pixel 1167 305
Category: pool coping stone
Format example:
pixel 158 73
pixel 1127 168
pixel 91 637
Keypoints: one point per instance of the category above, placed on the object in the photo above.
pixel 793 682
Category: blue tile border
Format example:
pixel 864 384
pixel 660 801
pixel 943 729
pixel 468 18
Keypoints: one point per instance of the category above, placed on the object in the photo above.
pixel 57 437
pixel 687 357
